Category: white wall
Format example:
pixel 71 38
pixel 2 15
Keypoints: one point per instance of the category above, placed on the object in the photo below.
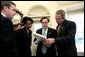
pixel 25 7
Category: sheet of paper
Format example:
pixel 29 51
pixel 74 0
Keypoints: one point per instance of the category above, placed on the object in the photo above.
pixel 39 37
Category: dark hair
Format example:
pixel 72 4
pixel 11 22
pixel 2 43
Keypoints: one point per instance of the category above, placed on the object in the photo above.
pixel 44 18
pixel 6 3
pixel 25 19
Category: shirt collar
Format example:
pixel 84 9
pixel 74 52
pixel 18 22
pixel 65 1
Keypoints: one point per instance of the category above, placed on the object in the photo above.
pixel 3 14
pixel 45 29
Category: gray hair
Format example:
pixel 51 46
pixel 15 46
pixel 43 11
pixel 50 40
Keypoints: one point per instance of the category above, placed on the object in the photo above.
pixel 62 12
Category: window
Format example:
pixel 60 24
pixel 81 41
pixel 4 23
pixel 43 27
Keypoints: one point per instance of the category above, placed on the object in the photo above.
pixel 78 17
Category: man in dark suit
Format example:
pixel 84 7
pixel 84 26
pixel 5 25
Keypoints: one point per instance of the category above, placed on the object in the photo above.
pixel 7 39
pixel 65 40
pixel 49 32
pixel 24 37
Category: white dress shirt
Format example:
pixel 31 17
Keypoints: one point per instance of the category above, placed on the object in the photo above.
pixel 3 14
pixel 44 32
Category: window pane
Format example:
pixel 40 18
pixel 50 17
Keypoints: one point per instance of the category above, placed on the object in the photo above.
pixel 78 18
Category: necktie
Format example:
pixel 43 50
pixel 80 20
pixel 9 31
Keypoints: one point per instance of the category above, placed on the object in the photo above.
pixel 58 29
pixel 44 48
pixel 44 34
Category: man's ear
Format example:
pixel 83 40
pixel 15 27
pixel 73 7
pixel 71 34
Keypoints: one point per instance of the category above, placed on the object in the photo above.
pixel 5 8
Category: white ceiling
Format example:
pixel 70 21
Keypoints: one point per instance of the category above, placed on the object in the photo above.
pixel 68 2
pixel 72 5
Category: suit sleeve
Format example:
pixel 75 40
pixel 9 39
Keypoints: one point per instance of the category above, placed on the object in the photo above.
pixel 70 35
pixel 7 38
pixel 38 31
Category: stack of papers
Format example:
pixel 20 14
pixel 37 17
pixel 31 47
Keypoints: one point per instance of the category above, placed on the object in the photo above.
pixel 39 37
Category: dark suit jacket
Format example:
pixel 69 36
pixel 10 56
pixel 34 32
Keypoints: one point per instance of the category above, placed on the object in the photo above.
pixel 51 50
pixel 65 40
pixel 7 39
pixel 23 40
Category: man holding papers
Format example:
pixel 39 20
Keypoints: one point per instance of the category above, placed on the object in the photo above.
pixel 45 32
pixel 65 40
pixel 38 37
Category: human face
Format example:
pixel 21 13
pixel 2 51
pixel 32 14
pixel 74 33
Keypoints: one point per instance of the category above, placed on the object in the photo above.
pixel 59 18
pixel 10 11
pixel 28 25
pixel 44 23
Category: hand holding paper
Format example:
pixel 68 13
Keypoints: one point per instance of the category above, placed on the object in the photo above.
pixel 44 42
pixel 50 41
pixel 39 37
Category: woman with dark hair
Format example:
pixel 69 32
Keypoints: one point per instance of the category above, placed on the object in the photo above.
pixel 24 37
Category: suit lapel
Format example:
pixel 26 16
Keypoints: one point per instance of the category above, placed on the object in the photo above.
pixel 40 31
pixel 48 32
pixel 62 26
pixel 60 29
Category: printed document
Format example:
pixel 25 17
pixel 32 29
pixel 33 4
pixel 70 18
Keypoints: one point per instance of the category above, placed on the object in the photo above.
pixel 38 37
